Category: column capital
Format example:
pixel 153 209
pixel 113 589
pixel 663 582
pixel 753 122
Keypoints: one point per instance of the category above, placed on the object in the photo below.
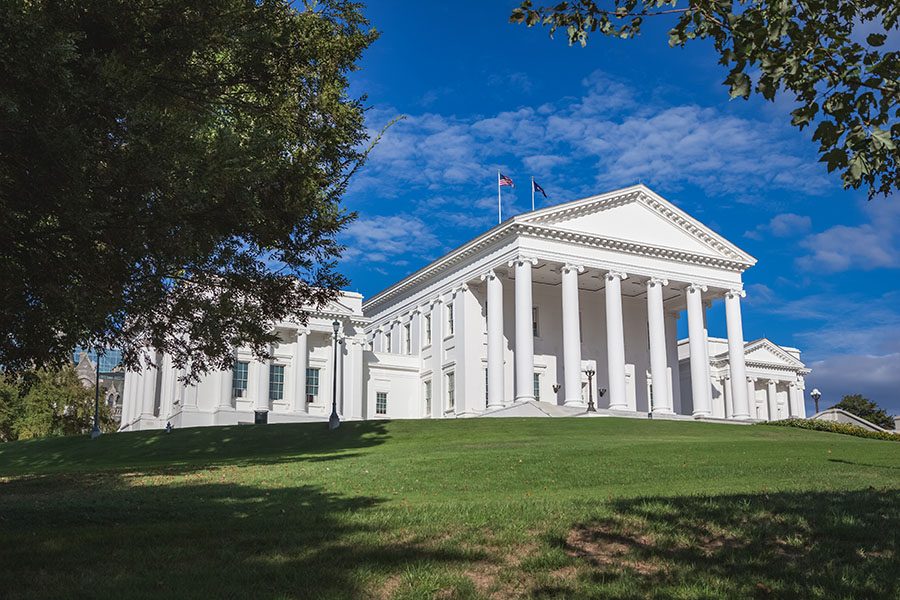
pixel 610 275
pixel 460 288
pixel 752 379
pixel 695 287
pixel 657 281
pixel 571 267
pixel 735 292
pixel 522 260
pixel 492 274
pixel 302 331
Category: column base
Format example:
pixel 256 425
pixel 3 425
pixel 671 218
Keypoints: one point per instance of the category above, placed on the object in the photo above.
pixel 493 406
pixel 701 414
pixel 524 399
pixel 663 411
pixel 575 403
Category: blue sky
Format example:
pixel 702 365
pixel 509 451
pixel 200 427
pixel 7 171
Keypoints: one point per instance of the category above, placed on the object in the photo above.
pixel 480 94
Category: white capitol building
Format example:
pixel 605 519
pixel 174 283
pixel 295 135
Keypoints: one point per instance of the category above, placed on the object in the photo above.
pixel 535 316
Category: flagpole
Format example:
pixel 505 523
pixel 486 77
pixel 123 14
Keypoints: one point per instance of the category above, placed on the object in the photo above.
pixel 499 210
pixel 532 193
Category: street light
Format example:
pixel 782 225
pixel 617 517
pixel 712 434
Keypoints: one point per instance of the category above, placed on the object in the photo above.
pixel 95 432
pixel 816 394
pixel 590 373
pixel 334 421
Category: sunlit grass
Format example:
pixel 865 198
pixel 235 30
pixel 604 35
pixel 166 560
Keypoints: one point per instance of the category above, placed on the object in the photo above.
pixel 568 508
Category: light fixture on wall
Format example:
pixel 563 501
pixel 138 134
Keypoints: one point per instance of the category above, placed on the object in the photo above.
pixel 334 421
pixel 556 387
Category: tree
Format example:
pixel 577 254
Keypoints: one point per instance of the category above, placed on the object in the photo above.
pixel 816 50
pixel 48 403
pixel 171 172
pixel 866 409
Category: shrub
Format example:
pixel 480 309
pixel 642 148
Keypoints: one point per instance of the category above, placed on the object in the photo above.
pixel 835 427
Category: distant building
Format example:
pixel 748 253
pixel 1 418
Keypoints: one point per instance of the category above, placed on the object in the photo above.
pixel 112 379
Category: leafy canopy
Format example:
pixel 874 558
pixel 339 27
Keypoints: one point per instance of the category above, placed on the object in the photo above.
pixel 847 85
pixel 867 409
pixel 171 172
pixel 46 403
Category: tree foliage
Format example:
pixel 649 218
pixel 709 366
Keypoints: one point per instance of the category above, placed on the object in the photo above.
pixel 866 409
pixel 46 403
pixel 847 85
pixel 171 172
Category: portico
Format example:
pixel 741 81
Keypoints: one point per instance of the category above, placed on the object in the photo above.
pixel 596 283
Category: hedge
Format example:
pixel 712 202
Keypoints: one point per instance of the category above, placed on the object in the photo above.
pixel 835 427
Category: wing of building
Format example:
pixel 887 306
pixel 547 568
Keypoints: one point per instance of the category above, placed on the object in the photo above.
pixel 560 306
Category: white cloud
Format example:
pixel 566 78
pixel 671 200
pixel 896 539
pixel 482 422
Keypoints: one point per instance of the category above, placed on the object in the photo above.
pixel 868 246
pixel 875 377
pixel 389 239
pixel 783 225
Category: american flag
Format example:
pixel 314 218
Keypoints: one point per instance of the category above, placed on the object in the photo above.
pixel 504 180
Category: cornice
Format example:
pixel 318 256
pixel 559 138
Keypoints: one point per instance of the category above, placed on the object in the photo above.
pixel 628 247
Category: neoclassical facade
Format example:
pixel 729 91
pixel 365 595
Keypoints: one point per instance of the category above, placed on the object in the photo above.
pixel 555 306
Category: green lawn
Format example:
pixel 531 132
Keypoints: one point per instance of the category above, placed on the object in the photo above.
pixel 484 508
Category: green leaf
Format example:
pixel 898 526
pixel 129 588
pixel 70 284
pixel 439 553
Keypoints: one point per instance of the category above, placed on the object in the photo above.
pixel 876 39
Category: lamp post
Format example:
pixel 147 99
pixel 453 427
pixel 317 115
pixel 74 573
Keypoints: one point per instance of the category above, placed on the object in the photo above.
pixel 815 395
pixel 334 421
pixel 95 432
pixel 590 373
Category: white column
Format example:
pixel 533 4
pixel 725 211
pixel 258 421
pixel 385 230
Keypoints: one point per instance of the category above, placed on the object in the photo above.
pixel 356 366
pixel 793 404
pixel 726 390
pixel 300 361
pixel 736 364
pixel 615 341
pixel 226 383
pixel 571 336
pixel 772 397
pixel 657 326
pixel 697 340
pixel 262 387
pixel 494 339
pixel 750 390
pixel 801 401
pixel 148 396
pixel 524 332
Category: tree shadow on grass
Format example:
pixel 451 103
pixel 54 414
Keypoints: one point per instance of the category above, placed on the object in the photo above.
pixel 211 540
pixel 775 545
pixel 190 448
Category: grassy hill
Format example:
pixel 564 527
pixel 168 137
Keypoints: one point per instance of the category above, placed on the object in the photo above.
pixel 487 508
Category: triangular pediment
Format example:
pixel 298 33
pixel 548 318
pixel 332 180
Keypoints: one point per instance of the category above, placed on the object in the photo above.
pixel 640 216
pixel 765 351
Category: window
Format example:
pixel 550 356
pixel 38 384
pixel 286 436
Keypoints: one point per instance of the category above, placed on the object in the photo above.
pixel 407 340
pixel 239 378
pixel 276 382
pixel 537 386
pixel 534 321
pixel 450 319
pixel 428 330
pixel 387 341
pixel 381 403
pixel 485 387
pixel 451 391
pixel 312 385
pixel 428 398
